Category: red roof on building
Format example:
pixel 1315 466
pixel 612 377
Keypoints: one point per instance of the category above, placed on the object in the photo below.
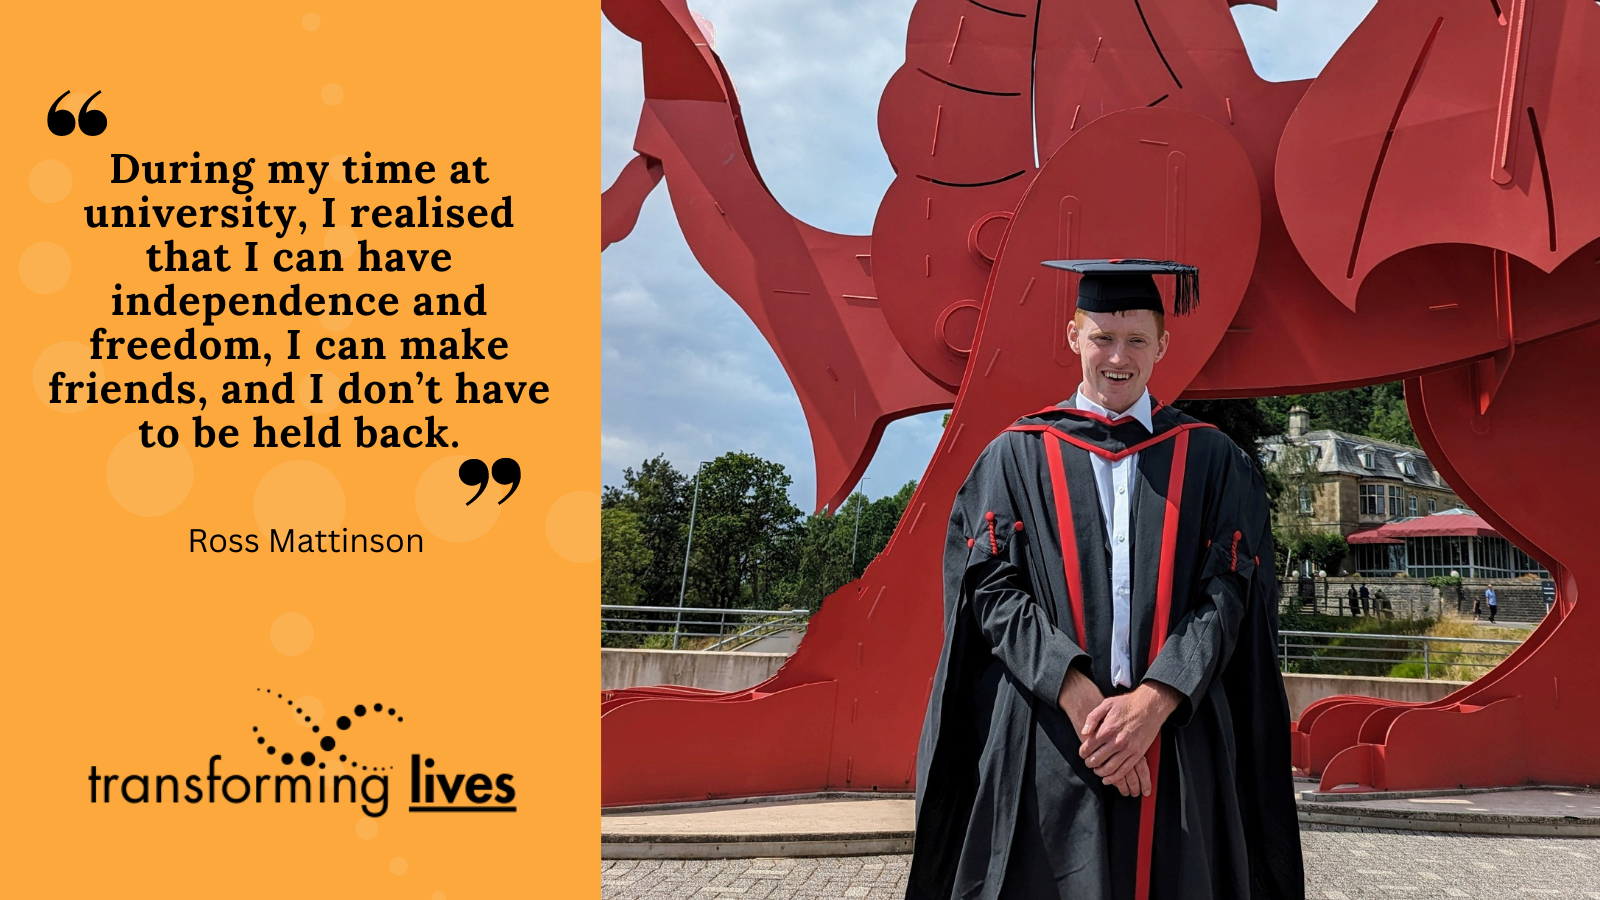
pixel 1371 536
pixel 1450 523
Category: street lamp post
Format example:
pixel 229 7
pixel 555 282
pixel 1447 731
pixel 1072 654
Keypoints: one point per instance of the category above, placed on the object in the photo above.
pixel 861 498
pixel 677 627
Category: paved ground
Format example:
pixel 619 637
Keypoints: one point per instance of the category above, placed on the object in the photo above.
pixel 818 816
pixel 1340 865
pixel 1578 805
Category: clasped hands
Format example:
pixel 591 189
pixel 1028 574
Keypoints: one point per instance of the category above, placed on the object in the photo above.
pixel 1116 731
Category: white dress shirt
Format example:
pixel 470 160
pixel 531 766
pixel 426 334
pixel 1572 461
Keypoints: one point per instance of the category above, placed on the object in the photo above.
pixel 1114 482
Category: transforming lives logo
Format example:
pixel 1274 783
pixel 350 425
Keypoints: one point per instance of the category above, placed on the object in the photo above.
pixel 430 791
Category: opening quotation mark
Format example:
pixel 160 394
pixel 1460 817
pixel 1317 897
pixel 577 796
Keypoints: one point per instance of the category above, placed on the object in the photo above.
pixel 474 473
pixel 91 122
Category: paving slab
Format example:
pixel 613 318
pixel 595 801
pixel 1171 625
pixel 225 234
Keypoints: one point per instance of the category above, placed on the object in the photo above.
pixel 1571 812
pixel 1341 864
pixel 812 826
pixel 860 825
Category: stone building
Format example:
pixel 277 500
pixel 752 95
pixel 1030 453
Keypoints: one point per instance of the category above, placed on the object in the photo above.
pixel 1350 484
pixel 1354 483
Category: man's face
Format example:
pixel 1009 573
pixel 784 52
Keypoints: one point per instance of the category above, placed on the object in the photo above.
pixel 1119 350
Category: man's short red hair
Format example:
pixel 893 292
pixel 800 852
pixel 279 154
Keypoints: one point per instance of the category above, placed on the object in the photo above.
pixel 1161 319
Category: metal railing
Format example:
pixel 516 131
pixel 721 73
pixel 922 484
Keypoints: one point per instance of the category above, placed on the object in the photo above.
pixel 724 629
pixel 1300 650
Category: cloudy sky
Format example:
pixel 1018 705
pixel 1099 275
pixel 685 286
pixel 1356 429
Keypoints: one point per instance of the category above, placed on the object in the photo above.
pixel 685 372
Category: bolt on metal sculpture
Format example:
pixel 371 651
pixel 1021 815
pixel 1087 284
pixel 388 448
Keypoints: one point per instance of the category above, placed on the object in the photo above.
pixel 1424 209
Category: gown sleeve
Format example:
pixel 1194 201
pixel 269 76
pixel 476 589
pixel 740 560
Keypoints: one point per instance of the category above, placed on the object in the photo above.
pixel 1199 644
pixel 1015 626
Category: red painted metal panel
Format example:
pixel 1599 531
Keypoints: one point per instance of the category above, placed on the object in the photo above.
pixel 672 749
pixel 1432 186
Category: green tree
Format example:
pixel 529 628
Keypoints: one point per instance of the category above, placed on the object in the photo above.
pixel 1389 420
pixel 1325 550
pixel 1377 411
pixel 821 562
pixel 743 531
pixel 658 495
pixel 624 558
pixel 1348 411
pixel 1295 469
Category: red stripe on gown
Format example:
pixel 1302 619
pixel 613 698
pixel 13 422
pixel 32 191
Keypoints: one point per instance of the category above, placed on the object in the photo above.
pixel 1158 635
pixel 1069 535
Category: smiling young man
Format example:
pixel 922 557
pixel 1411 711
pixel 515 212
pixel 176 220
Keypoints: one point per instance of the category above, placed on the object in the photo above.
pixel 1107 719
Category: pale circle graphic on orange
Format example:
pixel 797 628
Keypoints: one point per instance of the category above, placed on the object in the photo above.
pixel 44 267
pixel 573 526
pixel 398 865
pixel 332 94
pixel 344 239
pixel 72 360
pixel 442 502
pixel 148 481
pixel 50 180
pixel 292 634
pixel 310 21
pixel 366 829
pixel 307 711
pixel 301 495
pixel 438 895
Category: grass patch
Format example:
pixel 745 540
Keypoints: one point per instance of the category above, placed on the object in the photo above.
pixel 1350 656
pixel 658 641
pixel 1460 662
pixel 1393 658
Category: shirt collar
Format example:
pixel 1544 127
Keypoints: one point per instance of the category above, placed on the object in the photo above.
pixel 1140 409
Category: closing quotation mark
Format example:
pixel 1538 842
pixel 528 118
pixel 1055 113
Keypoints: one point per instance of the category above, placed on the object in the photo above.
pixel 506 471
pixel 91 122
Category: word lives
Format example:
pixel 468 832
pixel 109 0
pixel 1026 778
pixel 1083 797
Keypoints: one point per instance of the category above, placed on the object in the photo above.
pixel 439 792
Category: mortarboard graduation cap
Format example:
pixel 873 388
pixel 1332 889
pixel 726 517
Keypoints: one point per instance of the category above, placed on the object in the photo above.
pixel 1119 285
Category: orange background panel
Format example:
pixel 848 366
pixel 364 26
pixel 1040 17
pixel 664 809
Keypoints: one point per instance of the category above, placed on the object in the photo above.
pixel 131 653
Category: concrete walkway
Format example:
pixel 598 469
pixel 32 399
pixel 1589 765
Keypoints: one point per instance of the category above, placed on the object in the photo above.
pixel 1544 812
pixel 1341 864
pixel 819 825
pixel 839 824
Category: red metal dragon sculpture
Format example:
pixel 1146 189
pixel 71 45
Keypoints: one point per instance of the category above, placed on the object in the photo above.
pixel 1425 209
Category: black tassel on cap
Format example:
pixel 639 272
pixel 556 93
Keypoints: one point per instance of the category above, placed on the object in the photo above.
pixel 1186 294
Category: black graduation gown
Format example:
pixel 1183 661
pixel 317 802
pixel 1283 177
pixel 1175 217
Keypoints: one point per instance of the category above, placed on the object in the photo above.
pixel 1005 805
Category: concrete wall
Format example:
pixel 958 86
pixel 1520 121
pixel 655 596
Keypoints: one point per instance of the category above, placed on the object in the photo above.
pixel 1303 690
pixel 1409 598
pixel 1521 599
pixel 715 671
pixel 737 671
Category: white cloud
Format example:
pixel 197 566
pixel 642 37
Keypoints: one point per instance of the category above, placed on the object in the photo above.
pixel 685 372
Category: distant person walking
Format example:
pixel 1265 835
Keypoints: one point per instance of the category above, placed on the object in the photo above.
pixel 1366 600
pixel 1385 608
pixel 1353 598
pixel 1488 594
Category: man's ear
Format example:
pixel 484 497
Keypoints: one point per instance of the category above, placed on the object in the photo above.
pixel 1161 344
pixel 1073 335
